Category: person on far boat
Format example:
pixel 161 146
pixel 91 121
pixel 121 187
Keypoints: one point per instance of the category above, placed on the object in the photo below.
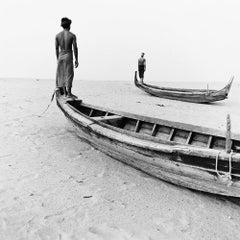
pixel 141 67
pixel 66 42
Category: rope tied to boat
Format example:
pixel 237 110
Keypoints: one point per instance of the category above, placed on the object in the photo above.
pixel 54 93
pixel 226 176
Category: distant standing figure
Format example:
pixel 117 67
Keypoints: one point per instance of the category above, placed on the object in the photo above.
pixel 141 67
pixel 66 41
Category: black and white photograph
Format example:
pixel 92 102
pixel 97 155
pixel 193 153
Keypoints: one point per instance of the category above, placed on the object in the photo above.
pixel 120 120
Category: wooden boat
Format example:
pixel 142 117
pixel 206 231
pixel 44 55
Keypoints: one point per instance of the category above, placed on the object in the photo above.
pixel 182 154
pixel 186 95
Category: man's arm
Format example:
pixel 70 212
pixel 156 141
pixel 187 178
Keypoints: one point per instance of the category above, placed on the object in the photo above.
pixel 57 47
pixel 144 64
pixel 75 50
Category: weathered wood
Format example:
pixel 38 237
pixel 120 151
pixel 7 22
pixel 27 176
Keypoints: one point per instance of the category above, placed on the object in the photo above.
pixel 154 129
pixel 138 124
pixel 237 148
pixel 175 163
pixel 228 135
pixel 186 127
pixel 130 125
pixel 147 142
pixel 171 134
pixel 91 112
pixel 177 125
pixel 104 118
pixel 167 170
pixel 145 128
pixel 187 95
pixel 209 141
pixel 189 138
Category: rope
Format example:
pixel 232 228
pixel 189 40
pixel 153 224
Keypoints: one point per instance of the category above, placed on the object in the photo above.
pixel 48 104
pixel 225 177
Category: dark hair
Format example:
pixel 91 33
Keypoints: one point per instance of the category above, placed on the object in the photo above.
pixel 66 22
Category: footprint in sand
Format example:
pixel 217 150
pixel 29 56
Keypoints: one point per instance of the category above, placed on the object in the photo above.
pixel 126 186
pixel 173 222
pixel 106 232
pixel 28 177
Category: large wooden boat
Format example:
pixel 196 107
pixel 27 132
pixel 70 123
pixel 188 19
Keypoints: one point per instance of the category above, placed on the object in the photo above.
pixel 186 95
pixel 182 154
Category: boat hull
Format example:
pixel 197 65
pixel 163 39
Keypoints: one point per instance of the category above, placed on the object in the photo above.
pixel 158 163
pixel 185 95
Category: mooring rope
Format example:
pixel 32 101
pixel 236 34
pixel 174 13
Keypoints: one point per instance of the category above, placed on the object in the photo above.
pixel 35 115
pixel 226 177
pixel 54 92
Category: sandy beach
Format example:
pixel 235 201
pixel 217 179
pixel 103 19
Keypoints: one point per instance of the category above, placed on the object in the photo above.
pixel 55 186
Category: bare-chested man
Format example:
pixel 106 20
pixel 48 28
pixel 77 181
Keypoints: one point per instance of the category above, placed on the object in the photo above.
pixel 141 67
pixel 66 41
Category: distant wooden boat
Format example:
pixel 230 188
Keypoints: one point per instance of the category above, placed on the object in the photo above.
pixel 186 95
pixel 182 154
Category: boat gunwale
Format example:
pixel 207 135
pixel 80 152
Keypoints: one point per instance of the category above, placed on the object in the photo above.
pixel 185 91
pixel 156 146
pixel 162 122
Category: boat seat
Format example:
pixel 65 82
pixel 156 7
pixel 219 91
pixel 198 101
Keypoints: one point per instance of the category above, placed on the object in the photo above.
pixel 237 148
pixel 106 118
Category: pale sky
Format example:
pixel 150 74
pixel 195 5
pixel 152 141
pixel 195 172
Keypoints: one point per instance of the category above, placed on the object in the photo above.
pixel 184 40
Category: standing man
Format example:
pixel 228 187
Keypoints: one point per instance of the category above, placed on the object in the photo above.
pixel 66 41
pixel 141 67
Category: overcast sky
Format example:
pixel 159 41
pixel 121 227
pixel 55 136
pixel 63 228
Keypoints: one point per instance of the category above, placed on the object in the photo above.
pixel 184 40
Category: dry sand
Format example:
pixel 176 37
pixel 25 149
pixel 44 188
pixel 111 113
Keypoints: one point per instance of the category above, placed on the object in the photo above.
pixel 55 186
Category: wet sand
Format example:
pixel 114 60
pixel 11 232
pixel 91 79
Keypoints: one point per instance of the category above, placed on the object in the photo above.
pixel 55 186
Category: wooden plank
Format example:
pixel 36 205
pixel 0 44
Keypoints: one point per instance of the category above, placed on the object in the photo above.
pixel 138 140
pixel 209 141
pixel 171 134
pixel 169 170
pixel 166 170
pixel 177 125
pixel 104 118
pixel 150 138
pixel 231 145
pixel 154 130
pixel 91 112
pixel 228 144
pixel 189 138
pixel 237 148
pixel 138 125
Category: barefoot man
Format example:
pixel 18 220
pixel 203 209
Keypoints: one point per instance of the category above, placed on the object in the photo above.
pixel 141 67
pixel 66 41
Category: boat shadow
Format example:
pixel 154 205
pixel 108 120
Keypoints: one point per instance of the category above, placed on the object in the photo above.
pixel 210 196
pixel 221 198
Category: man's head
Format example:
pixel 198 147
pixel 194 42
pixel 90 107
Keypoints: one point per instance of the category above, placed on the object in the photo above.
pixel 142 54
pixel 66 23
